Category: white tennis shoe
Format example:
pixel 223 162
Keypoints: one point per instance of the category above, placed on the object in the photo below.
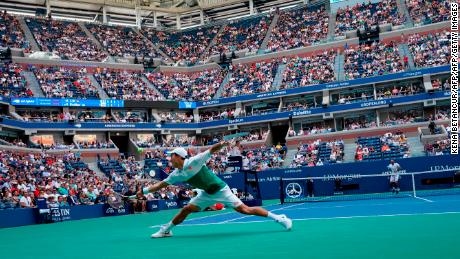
pixel 285 221
pixel 162 233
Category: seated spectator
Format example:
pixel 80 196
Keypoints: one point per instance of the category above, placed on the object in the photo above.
pixel 180 86
pixel 438 148
pixel 244 34
pixel 174 117
pixel 250 78
pixel 359 123
pixel 318 151
pixel 403 117
pixel 426 12
pixel 211 140
pixel 307 71
pixel 302 104
pixel 430 50
pixel 93 116
pixel 12 83
pixel 311 129
pixel 265 157
pixel 122 41
pixel 147 142
pixel 446 85
pixel 65 38
pixel 436 83
pixel 55 178
pixel 387 146
pixel 370 60
pixel 366 15
pixel 131 116
pixel 15 142
pixel 352 96
pixel 11 34
pixel 255 135
pixel 63 82
pixel 40 116
pixel 442 113
pixel 126 86
pixel 27 200
pixel 184 47
pixel 398 91
pixel 299 28
pixel 179 141
pixel 217 115
pixel 95 144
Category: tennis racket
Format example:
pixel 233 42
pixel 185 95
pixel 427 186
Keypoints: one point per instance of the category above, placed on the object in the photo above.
pixel 117 200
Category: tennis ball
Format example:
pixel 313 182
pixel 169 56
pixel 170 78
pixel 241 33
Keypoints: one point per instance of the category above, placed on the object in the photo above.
pixel 219 206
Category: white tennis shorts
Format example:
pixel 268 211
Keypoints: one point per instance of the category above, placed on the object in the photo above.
pixel 224 196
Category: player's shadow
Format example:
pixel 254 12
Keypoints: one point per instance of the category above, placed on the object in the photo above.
pixel 224 234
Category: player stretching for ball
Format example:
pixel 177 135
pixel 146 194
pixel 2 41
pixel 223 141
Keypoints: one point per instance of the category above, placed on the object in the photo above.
pixel 195 172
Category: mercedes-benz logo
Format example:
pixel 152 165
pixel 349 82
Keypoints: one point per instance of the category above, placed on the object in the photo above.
pixel 293 190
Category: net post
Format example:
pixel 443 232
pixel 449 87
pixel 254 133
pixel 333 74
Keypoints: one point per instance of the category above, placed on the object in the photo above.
pixel 281 190
pixel 413 185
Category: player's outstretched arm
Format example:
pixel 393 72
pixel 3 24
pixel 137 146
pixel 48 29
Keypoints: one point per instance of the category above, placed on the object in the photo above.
pixel 155 187
pixel 216 147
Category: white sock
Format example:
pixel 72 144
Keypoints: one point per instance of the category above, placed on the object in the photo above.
pixel 273 216
pixel 168 226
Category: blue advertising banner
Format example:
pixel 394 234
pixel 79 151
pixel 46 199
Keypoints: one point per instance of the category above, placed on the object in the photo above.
pixel 248 119
pixel 69 102
pixel 315 88
pixel 168 204
pixel 269 180
pixel 109 211
pixel 60 213
pixel 17 217
pixel 152 206
pixel 66 102
pixel 187 105
pixel 4 99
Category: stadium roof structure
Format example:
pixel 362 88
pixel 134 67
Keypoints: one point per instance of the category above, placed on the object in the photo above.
pixel 164 13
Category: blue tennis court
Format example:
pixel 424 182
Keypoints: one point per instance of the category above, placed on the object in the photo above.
pixel 404 206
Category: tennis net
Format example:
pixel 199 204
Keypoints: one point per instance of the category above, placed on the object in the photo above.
pixel 376 186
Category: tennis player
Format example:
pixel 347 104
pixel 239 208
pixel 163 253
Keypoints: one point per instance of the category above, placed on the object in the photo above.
pixel 395 169
pixel 195 172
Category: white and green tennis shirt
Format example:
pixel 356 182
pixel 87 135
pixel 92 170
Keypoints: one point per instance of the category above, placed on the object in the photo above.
pixel 197 174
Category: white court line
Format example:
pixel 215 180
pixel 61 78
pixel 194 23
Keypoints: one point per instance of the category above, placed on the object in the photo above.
pixel 330 218
pixel 376 204
pixel 350 205
pixel 247 216
pixel 423 199
pixel 294 205
pixel 210 216
pixel 220 214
